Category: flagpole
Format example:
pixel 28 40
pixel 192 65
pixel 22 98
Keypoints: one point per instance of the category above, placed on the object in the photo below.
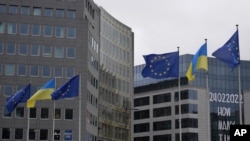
pixel 179 94
pixel 28 123
pixel 53 118
pixel 80 106
pixel 208 106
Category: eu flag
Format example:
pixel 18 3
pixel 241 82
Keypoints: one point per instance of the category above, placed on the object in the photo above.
pixel 68 90
pixel 229 52
pixel 161 65
pixel 20 96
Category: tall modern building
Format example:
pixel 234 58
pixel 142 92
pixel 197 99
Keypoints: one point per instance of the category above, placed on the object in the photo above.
pixel 206 114
pixel 41 40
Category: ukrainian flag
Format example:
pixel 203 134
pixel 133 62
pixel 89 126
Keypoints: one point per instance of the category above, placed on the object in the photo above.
pixel 44 93
pixel 199 61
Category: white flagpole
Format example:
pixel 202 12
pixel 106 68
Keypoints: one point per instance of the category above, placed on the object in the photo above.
pixel 53 117
pixel 240 96
pixel 28 123
pixel 179 94
pixel 80 106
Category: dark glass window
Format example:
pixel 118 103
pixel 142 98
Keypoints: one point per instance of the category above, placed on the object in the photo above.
pixel 186 94
pixel 46 71
pixel 47 50
pixel 187 123
pixel 32 112
pixel 161 98
pixel 141 101
pixel 20 112
pixel 164 111
pixel 2 8
pixel 13 9
pixel 35 50
pixel 162 125
pixel 48 31
pixel 2 27
pixel 71 32
pixel 141 114
pixel 11 48
pixel 32 134
pixel 48 12
pixel 69 114
pixel 44 113
pixel 143 127
pixel 60 13
pixel 25 10
pixel 18 133
pixel 71 14
pixel 1 48
pixel 162 137
pixel 36 30
pixel 141 138
pixel 57 113
pixel 187 108
pixel 24 29
pixel 23 49
pixel 70 52
pixel 34 70
pixel 57 135
pixel 58 71
pixel 43 134
pixel 6 133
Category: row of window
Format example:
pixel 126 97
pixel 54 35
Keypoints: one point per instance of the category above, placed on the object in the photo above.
pixel 38 11
pixel 166 111
pixel 37 50
pixel 33 134
pixel 168 137
pixel 38 30
pixel 162 98
pixel 166 125
pixel 36 70
pixel 44 113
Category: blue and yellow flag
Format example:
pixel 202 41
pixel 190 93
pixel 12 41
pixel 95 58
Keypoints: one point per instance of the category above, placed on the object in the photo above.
pixel 229 52
pixel 44 93
pixel 199 61
pixel 161 65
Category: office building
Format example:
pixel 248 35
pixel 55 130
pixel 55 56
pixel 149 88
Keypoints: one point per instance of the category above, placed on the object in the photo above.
pixel 40 40
pixel 158 103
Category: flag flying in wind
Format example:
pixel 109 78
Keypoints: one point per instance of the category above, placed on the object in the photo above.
pixel 229 52
pixel 44 93
pixel 68 90
pixel 20 96
pixel 161 65
pixel 199 61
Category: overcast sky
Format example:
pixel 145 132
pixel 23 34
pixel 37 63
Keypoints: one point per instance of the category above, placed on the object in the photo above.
pixel 160 26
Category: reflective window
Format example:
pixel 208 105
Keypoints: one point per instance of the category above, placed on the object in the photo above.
pixel 24 29
pixel 11 48
pixel 166 137
pixel 36 29
pixel 34 70
pixel 58 71
pixel 20 112
pixel 8 90
pixel 57 113
pixel 162 125
pixel 59 32
pixel 57 135
pixel 22 69
pixel 48 31
pixel 70 52
pixel 2 27
pixel 32 134
pixel 46 71
pixel 70 72
pixel 71 32
pixel 143 114
pixel 1 48
pixel 2 8
pixel 161 98
pixel 163 111
pixel 141 101
pixel 35 50
pixel 59 52
pixel 37 11
pixel 44 113
pixel 32 113
pixel 69 114
pixel 48 12
pixel 25 10
pixel 0 68
pixel 145 138
pixel 23 49
pixel 12 28
pixel 60 13
pixel 9 69
pixel 6 133
pixel 71 14
pixel 13 9
pixel 43 134
pixel 47 51
pixel 142 127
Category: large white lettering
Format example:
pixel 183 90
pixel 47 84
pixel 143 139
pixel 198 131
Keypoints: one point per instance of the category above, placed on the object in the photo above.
pixel 225 125
pixel 223 137
pixel 225 98
pixel 224 111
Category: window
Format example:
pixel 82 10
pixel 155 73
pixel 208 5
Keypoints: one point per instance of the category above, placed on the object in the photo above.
pixel 18 133
pixel 71 32
pixel 141 101
pixel 11 49
pixel 44 113
pixel 2 8
pixel 34 70
pixel 35 50
pixel 1 48
pixel 48 12
pixel 70 52
pixel 13 9
pixel 162 125
pixel 48 31
pixel 145 138
pixel 162 98
pixel 43 134
pixel 24 29
pixel 20 112
pixel 6 114
pixel 25 10
pixel 12 28
pixel 164 111
pixel 60 13
pixel 58 71
pixel 32 134
pixel 32 112
pixel 59 32
pixel 23 49
pixel 187 108
pixel 22 70
pixel 8 90
pixel 9 69
pixel 37 11
pixel 57 135
pixel 59 52
pixel 46 71
pixel 6 133
pixel 69 114
pixel 141 114
pixel 142 127
pixel 57 113
pixel 2 27
pixel 47 51
pixel 70 72
pixel 71 14
pixel 166 137
pixel 0 68
pixel 36 30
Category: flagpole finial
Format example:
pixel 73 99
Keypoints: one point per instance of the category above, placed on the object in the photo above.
pixel 205 39
pixel 178 48
pixel 237 26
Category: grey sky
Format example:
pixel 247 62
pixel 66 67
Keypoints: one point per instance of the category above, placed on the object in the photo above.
pixel 162 25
